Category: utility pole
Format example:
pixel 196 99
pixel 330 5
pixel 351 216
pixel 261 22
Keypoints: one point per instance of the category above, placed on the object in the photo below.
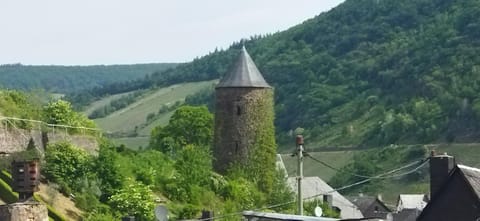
pixel 299 141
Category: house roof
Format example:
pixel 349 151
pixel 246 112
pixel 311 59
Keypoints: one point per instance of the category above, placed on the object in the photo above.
pixel 314 186
pixel 364 202
pixel 278 216
pixel 406 214
pixel 472 175
pixel 411 201
pixel 244 74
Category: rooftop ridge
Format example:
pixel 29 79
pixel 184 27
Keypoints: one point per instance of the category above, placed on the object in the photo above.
pixel 468 168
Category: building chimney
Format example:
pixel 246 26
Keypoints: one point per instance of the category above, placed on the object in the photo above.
pixel 206 214
pixel 440 167
pixel 328 199
pixel 380 197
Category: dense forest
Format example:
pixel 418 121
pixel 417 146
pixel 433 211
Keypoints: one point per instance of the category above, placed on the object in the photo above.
pixel 67 79
pixel 368 72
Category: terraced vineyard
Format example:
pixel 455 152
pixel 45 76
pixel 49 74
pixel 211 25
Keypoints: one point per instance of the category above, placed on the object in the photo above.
pixel 130 125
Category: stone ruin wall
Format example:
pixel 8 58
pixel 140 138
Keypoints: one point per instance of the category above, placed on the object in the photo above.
pixel 16 140
pixel 29 211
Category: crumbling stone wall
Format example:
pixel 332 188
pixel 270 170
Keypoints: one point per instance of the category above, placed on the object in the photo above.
pixel 28 211
pixel 16 140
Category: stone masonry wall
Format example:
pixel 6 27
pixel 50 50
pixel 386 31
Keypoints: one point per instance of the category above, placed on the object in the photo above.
pixel 15 140
pixel 235 108
pixel 30 211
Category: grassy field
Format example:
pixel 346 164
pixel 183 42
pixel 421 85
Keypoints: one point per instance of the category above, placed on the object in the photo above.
pixel 468 154
pixel 161 120
pixel 132 142
pixel 134 115
pixel 102 102
pixel 337 159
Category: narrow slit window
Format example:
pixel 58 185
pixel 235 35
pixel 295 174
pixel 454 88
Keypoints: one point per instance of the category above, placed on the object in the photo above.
pixel 236 146
pixel 239 110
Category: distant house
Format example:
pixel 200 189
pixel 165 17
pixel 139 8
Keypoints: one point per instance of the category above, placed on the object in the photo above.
pixel 371 206
pixel 455 191
pixel 404 215
pixel 409 207
pixel 411 201
pixel 314 187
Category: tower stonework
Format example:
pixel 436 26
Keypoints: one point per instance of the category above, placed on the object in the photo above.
pixel 244 119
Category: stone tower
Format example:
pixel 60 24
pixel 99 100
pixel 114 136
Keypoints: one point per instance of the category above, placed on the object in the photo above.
pixel 244 131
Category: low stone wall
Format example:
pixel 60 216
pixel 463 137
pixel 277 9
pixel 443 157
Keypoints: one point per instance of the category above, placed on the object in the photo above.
pixel 28 211
pixel 16 140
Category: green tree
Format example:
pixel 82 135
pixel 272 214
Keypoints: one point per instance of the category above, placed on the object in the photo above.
pixel 244 193
pixel 135 199
pixel 282 192
pixel 429 117
pixel 188 125
pixel 108 171
pixel 61 112
pixel 67 164
pixel 193 166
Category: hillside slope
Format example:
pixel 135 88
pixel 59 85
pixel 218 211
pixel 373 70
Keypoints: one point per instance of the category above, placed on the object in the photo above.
pixel 366 73
pixel 369 72
pixel 132 125
pixel 66 79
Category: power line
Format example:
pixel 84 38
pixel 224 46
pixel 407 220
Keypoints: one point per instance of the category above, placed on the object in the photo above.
pixel 382 176
pixel 333 168
pixel 354 174
pixel 47 124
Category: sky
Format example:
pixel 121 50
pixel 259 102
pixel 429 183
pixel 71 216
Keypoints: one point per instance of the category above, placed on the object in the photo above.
pixel 88 32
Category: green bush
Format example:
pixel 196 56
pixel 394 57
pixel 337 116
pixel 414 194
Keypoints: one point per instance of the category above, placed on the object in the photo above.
pixel 136 199
pixel 86 201
pixel 67 165
pixel 6 193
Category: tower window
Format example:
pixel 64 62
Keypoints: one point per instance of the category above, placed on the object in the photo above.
pixel 239 110
pixel 236 146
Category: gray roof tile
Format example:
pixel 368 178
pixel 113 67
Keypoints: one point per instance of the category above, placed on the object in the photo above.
pixel 473 177
pixel 313 186
pixel 244 74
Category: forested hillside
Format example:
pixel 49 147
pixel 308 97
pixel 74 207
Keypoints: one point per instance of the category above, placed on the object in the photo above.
pixel 117 182
pixel 368 72
pixel 65 79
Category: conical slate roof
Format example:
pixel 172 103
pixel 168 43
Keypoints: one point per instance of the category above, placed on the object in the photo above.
pixel 244 74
